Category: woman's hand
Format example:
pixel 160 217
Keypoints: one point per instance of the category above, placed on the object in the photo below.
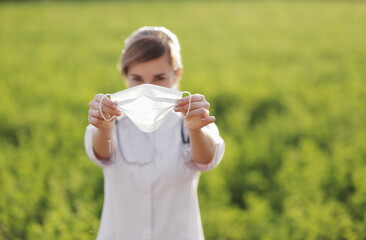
pixel 198 115
pixel 108 108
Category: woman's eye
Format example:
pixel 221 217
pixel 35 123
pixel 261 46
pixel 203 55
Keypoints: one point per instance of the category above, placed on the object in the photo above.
pixel 136 79
pixel 159 78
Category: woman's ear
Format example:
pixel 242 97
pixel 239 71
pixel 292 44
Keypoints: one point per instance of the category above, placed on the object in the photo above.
pixel 178 74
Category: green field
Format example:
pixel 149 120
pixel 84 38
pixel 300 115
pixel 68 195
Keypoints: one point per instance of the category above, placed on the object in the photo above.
pixel 286 81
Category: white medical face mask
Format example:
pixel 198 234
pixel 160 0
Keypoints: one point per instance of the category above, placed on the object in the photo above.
pixel 147 105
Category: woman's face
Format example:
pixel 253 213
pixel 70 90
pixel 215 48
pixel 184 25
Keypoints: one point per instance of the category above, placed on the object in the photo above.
pixel 157 71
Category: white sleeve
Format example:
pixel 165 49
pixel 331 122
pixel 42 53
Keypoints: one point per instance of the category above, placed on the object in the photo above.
pixel 212 130
pixel 88 142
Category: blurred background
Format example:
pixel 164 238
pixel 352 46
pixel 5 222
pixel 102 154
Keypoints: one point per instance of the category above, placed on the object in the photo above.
pixel 286 81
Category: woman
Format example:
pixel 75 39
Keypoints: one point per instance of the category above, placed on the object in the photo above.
pixel 150 178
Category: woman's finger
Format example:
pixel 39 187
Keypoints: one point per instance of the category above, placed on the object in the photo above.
pixel 105 108
pixel 193 106
pixel 96 113
pixel 209 119
pixel 194 98
pixel 201 112
pixel 106 101
pixel 98 123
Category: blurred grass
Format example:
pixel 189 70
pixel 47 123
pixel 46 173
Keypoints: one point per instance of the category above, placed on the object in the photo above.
pixel 285 80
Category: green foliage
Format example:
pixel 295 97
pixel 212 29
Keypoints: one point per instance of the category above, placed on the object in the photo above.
pixel 285 81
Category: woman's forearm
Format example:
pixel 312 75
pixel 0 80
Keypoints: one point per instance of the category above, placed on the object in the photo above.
pixel 202 146
pixel 103 143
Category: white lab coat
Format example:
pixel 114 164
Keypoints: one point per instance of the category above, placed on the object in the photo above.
pixel 150 183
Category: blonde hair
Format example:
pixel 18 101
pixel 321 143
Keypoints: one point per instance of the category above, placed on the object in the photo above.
pixel 148 43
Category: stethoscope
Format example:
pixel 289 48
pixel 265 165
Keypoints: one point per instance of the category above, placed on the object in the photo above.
pixel 184 137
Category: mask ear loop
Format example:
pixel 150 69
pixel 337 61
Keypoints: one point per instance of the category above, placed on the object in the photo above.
pixel 110 119
pixel 189 104
pixel 100 108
